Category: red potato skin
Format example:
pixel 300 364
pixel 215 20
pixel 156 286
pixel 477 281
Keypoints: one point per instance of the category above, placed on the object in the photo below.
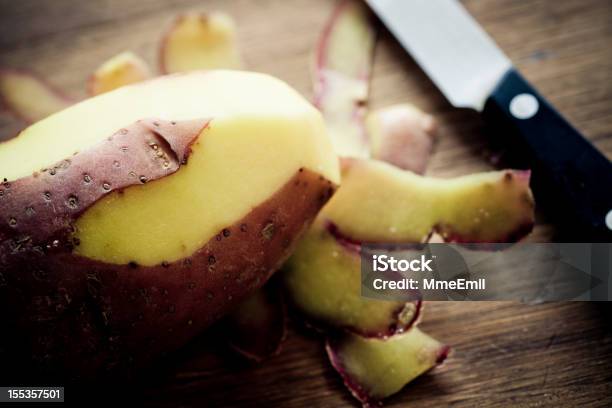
pixel 82 319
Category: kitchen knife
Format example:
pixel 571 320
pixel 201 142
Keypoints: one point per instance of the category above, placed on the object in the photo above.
pixel 472 72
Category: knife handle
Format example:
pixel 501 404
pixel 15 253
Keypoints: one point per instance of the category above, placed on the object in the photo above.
pixel 568 171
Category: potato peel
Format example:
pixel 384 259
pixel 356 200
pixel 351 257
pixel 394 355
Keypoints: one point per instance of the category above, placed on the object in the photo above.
pixel 323 280
pixel 257 328
pixel 29 97
pixel 341 73
pixel 122 69
pixel 402 135
pixel 200 41
pixel 378 202
pixel 373 369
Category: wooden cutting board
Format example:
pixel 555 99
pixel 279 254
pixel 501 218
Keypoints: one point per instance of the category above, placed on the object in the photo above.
pixel 505 354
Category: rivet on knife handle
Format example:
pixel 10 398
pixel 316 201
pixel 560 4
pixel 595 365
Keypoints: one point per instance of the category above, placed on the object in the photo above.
pixel 571 173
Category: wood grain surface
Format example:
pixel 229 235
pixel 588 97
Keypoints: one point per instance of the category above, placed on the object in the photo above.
pixel 505 354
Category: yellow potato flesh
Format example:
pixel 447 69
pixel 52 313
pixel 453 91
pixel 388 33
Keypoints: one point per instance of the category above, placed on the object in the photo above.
pixel 201 41
pixel 381 203
pixel 324 281
pixel 122 69
pixel 261 133
pixel 28 96
pixel 383 367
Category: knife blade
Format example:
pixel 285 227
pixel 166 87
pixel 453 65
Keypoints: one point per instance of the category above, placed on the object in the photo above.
pixel 569 173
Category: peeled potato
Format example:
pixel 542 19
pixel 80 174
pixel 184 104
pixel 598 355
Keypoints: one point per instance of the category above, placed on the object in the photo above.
pixel 134 219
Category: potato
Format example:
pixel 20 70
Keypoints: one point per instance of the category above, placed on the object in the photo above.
pixel 373 369
pixel 380 203
pixel 257 328
pixel 29 97
pixel 200 41
pixel 134 219
pixel 120 70
pixel 402 135
pixel 341 74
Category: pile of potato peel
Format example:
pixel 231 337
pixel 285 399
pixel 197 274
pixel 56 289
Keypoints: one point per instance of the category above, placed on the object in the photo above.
pixel 375 346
